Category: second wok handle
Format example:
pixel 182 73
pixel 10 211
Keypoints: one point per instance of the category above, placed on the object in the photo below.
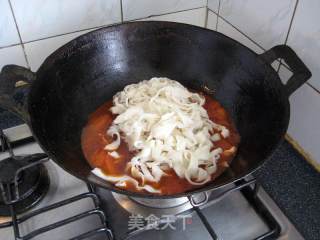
pixel 300 71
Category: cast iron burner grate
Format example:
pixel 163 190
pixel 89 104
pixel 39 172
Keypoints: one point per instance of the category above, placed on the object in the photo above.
pixel 24 181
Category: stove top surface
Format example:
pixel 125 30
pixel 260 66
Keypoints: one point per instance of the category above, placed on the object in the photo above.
pixel 232 217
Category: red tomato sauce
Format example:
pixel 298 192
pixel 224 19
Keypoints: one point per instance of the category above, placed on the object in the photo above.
pixel 94 139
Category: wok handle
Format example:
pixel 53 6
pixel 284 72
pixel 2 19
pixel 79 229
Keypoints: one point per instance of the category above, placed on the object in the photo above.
pixel 300 71
pixel 15 84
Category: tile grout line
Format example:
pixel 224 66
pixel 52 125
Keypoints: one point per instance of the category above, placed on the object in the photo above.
pixel 314 88
pixel 63 34
pixel 291 21
pixel 217 22
pixel 289 28
pixel 206 18
pixel 285 66
pixel 121 10
pixel 158 15
pixel 11 45
pixel 209 9
pixel 19 34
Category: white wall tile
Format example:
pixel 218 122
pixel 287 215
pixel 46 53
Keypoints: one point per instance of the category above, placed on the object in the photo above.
pixel 305 117
pixel 266 22
pixel 39 19
pixel 8 31
pixel 212 21
pixel 135 9
pixel 232 32
pixel 38 51
pixel 12 55
pixel 275 65
pixel 284 74
pixel 213 5
pixel 304 37
pixel 193 17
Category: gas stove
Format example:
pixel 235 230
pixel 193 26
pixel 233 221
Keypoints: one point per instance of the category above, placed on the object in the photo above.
pixel 60 206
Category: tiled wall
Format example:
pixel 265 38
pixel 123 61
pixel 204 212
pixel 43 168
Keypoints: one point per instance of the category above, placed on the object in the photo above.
pixel 260 25
pixel 31 30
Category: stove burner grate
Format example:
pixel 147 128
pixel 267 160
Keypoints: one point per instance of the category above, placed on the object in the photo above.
pixel 24 180
pixel 23 183
pixel 16 221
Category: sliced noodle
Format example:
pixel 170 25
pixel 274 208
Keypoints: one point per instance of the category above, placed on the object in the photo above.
pixel 121 181
pixel 168 127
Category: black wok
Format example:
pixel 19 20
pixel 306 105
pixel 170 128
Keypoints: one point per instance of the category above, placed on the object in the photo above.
pixel 80 76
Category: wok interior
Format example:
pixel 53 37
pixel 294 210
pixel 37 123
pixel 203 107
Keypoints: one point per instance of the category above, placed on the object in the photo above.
pixel 79 77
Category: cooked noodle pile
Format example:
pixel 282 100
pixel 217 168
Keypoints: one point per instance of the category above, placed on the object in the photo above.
pixel 166 126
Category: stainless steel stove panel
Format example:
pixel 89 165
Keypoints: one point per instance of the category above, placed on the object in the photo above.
pixel 231 218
